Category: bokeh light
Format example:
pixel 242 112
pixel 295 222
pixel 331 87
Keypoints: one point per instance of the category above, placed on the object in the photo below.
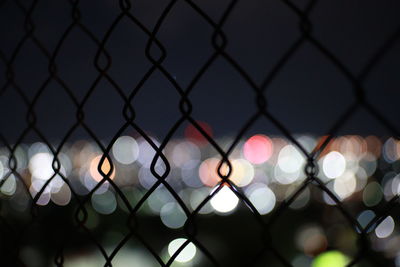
pixel 345 185
pixel 147 152
pixel 290 160
pixel 196 198
pixel 35 187
pixel 187 254
pixel 331 258
pixel 311 240
pixel 262 197
pixel 146 178
pixel 105 168
pixel 185 153
pixel 104 203
pixel 190 175
pixel 391 150
pixel 40 166
pixel 242 172
pixel 224 201
pixel 62 197
pixel 258 149
pixel 372 194
pixel 208 172
pixel 385 228
pixel 195 136
pixel 172 215
pixel 125 150
pixel 9 186
pixel 365 217
pixel 334 164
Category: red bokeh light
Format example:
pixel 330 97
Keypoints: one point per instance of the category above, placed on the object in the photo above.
pixel 195 136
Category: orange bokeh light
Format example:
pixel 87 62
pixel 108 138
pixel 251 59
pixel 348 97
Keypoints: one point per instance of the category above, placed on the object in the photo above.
pixel 208 172
pixel 106 167
pixel 242 172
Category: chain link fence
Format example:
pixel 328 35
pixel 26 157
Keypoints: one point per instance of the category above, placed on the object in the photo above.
pixel 80 70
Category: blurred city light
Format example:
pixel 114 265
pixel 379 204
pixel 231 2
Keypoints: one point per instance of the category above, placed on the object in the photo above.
pixel 224 200
pixel 187 254
pixel 331 259
pixel 362 172
pixel 258 149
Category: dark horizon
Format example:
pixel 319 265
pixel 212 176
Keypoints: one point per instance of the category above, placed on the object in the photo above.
pixel 307 95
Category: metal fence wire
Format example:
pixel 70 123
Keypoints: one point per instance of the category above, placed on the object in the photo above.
pixel 55 232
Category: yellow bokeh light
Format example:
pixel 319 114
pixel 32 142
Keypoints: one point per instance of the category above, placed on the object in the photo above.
pixel 242 172
pixel 331 258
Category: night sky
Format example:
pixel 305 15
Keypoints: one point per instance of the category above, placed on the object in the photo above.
pixel 307 95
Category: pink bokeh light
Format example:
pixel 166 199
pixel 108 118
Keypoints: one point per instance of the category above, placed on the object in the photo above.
pixel 258 149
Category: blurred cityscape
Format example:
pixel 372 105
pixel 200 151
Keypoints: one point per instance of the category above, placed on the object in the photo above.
pixel 361 171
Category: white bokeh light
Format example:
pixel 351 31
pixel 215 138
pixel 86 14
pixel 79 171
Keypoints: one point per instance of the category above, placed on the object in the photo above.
pixel 225 200
pixel 147 152
pixel 9 186
pixel 345 185
pixel 290 160
pixel 262 197
pixel 125 150
pixel 187 254
pixel 385 228
pixel 334 164
pixel 40 166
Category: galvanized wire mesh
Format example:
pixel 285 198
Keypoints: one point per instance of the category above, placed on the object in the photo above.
pixel 156 53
